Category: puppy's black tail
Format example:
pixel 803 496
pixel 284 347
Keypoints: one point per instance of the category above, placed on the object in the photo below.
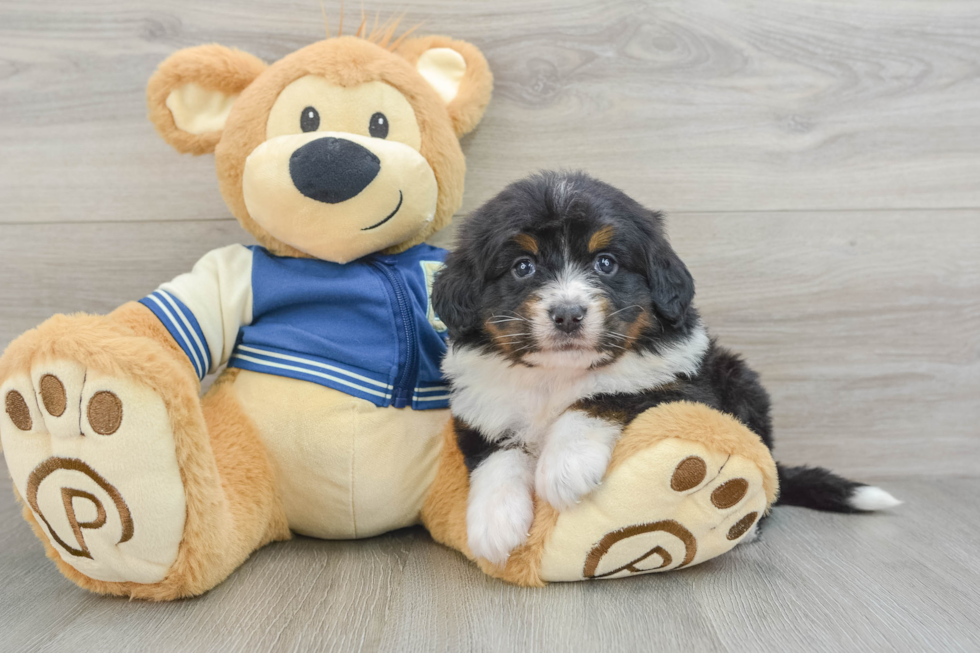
pixel 820 489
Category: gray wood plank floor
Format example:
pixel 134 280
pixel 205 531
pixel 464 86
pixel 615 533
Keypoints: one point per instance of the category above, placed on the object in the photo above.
pixel 907 581
pixel 819 162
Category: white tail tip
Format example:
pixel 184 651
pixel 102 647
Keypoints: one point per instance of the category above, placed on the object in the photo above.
pixel 869 497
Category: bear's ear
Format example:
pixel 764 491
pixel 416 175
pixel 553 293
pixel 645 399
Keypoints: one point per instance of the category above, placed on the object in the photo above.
pixel 191 93
pixel 459 74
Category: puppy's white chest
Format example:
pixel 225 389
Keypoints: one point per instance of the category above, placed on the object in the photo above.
pixel 508 402
pixel 536 409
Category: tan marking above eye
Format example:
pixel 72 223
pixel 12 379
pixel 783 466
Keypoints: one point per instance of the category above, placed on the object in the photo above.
pixel 527 243
pixel 105 412
pixel 601 238
pixel 53 395
pixel 688 474
pixel 18 411
pixel 344 109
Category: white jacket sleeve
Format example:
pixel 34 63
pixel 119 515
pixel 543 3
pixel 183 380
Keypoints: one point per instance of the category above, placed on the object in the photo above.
pixel 204 309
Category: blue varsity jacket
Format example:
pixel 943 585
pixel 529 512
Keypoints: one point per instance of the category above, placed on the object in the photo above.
pixel 366 328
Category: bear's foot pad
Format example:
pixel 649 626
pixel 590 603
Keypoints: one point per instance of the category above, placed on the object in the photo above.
pixel 94 459
pixel 672 505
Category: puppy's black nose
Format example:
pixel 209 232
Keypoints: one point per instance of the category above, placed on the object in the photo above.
pixel 568 317
pixel 333 170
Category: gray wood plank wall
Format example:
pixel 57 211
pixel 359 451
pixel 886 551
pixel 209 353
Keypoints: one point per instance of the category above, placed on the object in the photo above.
pixel 818 163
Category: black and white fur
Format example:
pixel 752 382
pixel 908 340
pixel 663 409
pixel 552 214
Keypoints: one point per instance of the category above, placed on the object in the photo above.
pixel 570 314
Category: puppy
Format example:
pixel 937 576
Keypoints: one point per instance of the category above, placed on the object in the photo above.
pixel 569 314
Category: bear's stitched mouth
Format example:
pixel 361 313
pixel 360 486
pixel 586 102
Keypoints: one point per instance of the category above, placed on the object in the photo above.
pixel 390 215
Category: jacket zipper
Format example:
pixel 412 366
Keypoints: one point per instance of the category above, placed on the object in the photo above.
pixel 404 386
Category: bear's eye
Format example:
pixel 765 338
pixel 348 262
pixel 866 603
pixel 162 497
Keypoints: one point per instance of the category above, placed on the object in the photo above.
pixel 309 120
pixel 378 127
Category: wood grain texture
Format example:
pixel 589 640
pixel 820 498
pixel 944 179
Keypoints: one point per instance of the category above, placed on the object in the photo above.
pixel 906 581
pixel 703 105
pixel 864 325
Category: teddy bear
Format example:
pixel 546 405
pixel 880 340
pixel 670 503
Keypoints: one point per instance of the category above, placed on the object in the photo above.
pixel 330 417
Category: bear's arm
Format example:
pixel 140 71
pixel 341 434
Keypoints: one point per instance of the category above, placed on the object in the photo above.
pixel 198 315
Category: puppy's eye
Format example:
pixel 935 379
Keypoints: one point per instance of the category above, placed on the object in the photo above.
pixel 606 264
pixel 523 268
pixel 309 120
pixel 378 127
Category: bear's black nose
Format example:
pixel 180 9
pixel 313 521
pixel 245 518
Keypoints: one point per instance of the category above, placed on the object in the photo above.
pixel 333 170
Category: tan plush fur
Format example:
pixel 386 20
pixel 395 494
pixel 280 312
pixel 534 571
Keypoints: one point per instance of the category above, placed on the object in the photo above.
pixel 232 507
pixel 141 321
pixel 213 67
pixel 444 510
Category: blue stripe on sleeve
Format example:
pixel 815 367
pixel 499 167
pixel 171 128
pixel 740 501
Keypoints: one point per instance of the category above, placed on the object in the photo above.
pixel 183 326
pixel 193 328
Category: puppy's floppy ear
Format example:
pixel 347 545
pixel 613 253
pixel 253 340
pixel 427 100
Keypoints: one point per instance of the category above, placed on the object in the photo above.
pixel 671 285
pixel 457 71
pixel 455 296
pixel 191 93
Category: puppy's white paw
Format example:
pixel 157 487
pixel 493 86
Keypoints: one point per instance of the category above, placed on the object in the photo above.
pixel 501 506
pixel 574 458
pixel 566 474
